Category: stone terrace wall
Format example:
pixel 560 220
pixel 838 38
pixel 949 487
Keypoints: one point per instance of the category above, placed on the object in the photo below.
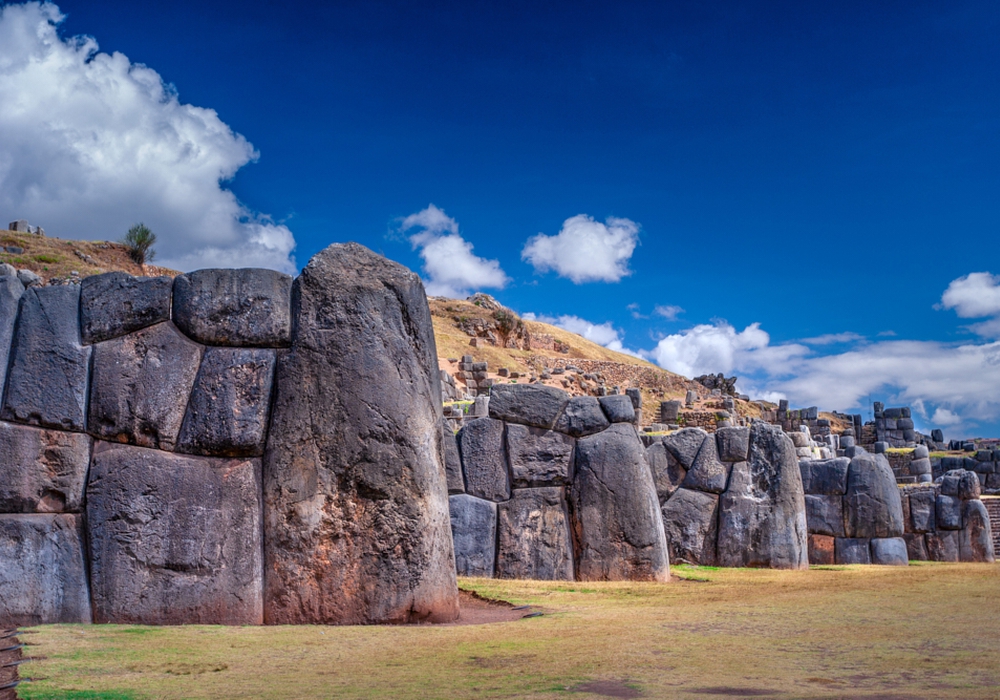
pixel 947 521
pixel 227 447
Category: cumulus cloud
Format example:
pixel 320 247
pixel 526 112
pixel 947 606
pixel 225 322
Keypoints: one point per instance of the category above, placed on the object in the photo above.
pixel 833 339
pixel 585 250
pixel 91 143
pixel 975 296
pixel 451 267
pixel 668 312
pixel 709 348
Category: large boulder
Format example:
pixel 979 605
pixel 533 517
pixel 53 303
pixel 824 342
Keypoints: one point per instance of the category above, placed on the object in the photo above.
pixel 538 457
pixel 43 573
pixel 10 296
pixel 948 513
pixel 49 367
pixel 357 528
pixel 975 542
pixel 42 471
pixel 922 511
pixel 873 506
pixel 536 405
pixel 616 516
pixel 117 303
pixel 685 444
pixel 889 551
pixel 534 538
pixel 474 530
pixel 480 443
pixel 691 525
pixel 850 550
pixel 668 474
pixel 140 386
pixel 825 515
pixel 174 539
pixel 825 476
pixel 452 459
pixel 707 473
pixel 618 408
pixel 245 308
pixel 230 403
pixel 916 546
pixel 582 416
pixel 762 514
pixel 733 444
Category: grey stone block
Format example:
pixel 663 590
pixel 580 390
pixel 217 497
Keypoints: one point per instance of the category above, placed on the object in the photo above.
pixel 141 385
pixel 536 405
pixel 847 441
pixel 474 531
pixel 691 523
pixel 825 515
pixel 244 308
pixel 452 459
pixel 10 295
pixel 975 542
pixel 582 416
pixel 904 424
pixel 42 471
pixel 910 435
pixel 872 503
pixel 43 573
pixel 636 395
pixel 732 444
pixel 825 476
pixel 921 452
pixel 534 536
pixel 685 444
pixel 849 550
pixel 116 303
pixel 707 473
pixel 923 511
pixel 889 551
pixel 174 539
pixel 230 403
pixel 47 383
pixel 937 435
pixel 920 466
pixel 618 409
pixel 666 470
pixel 480 443
pixel 943 545
pixel 538 457
pixel 880 447
pixel 948 513
pixel 916 547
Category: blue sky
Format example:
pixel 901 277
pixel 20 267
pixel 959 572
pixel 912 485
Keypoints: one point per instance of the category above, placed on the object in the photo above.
pixel 794 185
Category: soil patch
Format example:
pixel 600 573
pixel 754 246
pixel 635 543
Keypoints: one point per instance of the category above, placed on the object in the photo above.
pixel 474 609
pixel 737 692
pixel 609 689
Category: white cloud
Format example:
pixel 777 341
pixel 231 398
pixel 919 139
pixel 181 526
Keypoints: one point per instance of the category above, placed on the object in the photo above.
pixel 91 143
pixel 833 339
pixel 585 250
pixel 668 312
pixel 710 348
pixel 452 269
pixel 601 333
pixel 974 296
pixel 944 417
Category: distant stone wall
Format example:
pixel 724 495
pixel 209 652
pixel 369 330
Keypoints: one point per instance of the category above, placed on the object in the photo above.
pixel 947 521
pixel 229 447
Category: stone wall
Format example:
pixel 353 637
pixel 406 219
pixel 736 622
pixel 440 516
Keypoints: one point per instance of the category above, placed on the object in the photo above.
pixel 226 447
pixel 947 521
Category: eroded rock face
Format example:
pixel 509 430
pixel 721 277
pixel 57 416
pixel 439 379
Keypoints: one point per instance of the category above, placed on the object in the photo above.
pixel 247 307
pixel 42 471
pixel 872 502
pixel 49 369
pixel 116 303
pixel 480 442
pixel 733 444
pixel 668 474
pixel 822 550
pixel 140 386
pixel 616 517
pixel 691 522
pixel 174 539
pixel 230 403
pixel 534 537
pixel 474 530
pixel 762 515
pixel 10 295
pixel 355 495
pixel 528 404
pixel 538 457
pixel 43 576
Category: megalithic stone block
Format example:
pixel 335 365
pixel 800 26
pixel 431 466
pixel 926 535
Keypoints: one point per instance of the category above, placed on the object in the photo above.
pixel 357 527
pixel 691 524
pixel 668 474
pixel 534 538
pixel 873 507
pixel 474 530
pixel 452 459
pixel 42 471
pixel 480 443
pixel 11 290
pixel 116 303
pixel 538 457
pixel 49 370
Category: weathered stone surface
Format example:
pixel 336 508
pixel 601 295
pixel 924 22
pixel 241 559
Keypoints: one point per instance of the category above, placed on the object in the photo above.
pixel 975 542
pixel 920 466
pixel 357 526
pixel 948 513
pixel 922 511
pixel 534 536
pixel 825 476
pixel 960 483
pixel 538 457
pixel 762 515
pixel 821 550
pixel 536 405
pixel 230 403
pixel 116 303
pixel 707 473
pixel 916 546
pixel 47 383
pixel 691 524
pixel 889 551
pixel 685 444
pixel 10 295
pixel 474 530
pixel 582 416
pixel 618 408
pixel 245 307
pixel 852 550
pixel 480 443
pixel 43 574
pixel 733 444
pixel 140 386
pixel 174 539
pixel 666 470
pixel 42 471
pixel 452 459
pixel 872 504
pixel 943 545
pixel 825 515
pixel 616 516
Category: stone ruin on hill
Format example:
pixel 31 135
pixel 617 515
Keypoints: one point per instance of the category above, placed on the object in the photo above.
pixel 228 447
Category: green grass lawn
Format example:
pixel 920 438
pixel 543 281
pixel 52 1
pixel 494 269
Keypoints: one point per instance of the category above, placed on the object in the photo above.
pixel 926 631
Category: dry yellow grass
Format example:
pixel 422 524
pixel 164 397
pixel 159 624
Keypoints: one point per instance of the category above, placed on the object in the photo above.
pixel 926 631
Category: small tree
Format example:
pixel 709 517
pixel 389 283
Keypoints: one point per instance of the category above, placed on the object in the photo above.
pixel 139 240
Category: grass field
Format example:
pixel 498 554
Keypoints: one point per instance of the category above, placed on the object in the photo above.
pixel 926 631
